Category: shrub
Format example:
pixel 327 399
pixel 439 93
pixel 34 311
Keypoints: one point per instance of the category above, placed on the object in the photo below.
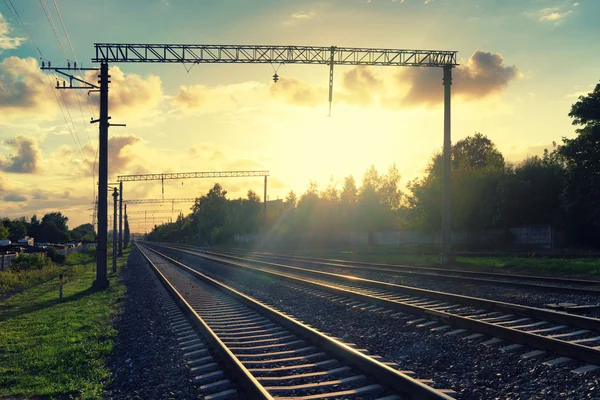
pixel 55 256
pixel 29 261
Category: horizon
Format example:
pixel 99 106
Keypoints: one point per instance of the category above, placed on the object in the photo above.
pixel 236 117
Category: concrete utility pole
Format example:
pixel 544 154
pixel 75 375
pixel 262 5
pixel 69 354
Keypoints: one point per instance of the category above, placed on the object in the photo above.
pixel 121 218
pixel 114 235
pixel 446 256
pixel 101 281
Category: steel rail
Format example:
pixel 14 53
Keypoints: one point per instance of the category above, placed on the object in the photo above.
pixel 551 279
pixel 385 374
pixel 585 353
pixel 415 271
pixel 243 377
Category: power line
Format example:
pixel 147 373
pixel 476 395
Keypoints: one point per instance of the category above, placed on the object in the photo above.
pixel 17 18
pixel 49 18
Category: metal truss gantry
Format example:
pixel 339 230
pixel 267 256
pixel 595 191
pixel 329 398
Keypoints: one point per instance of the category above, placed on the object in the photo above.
pixel 196 175
pixel 320 55
pixel 145 212
pixel 106 53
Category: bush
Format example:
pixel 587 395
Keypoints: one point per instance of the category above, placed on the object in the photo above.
pixel 55 256
pixel 29 261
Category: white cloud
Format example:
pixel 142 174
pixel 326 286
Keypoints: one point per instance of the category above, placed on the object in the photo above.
pixel 6 41
pixel 302 15
pixel 553 14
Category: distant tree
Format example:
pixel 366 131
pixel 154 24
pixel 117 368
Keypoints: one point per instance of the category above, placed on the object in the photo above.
pixel 291 200
pixel 126 233
pixel 477 169
pixel 33 227
pixel 18 229
pixel 83 232
pixel 54 228
pixel 349 194
pixel 4 232
pixel 582 157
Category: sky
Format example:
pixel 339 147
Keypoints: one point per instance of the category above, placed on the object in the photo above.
pixel 522 64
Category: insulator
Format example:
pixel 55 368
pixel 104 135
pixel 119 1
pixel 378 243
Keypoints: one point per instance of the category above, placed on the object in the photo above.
pixel 68 64
pixel 57 84
pixel 43 64
pixel 75 65
pixel 275 77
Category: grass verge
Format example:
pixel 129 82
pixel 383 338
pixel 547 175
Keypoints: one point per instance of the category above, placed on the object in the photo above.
pixel 57 349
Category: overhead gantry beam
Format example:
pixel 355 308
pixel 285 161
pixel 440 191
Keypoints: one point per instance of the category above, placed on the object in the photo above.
pixel 190 175
pixel 207 53
pixel 155 201
pixel 150 212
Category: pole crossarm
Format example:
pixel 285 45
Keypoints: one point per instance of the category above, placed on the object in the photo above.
pixel 190 175
pixel 264 54
pixel 154 201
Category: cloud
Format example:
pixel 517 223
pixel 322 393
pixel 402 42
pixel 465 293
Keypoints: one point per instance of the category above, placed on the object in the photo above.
pixel 301 15
pixel 131 93
pixel 297 92
pixel 25 90
pixel 360 86
pixel 554 14
pixel 484 74
pixel 26 157
pixel 201 98
pixel 7 42
pixel 122 155
pixel 15 198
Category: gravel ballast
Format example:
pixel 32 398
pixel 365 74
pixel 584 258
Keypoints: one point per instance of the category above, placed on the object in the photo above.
pixel 520 295
pixel 147 362
pixel 473 370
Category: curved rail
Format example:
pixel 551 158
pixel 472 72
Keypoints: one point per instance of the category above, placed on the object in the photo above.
pixel 571 335
pixel 257 322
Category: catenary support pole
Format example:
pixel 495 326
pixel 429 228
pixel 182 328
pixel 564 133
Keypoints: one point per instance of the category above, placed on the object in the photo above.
pixel 446 256
pixel 121 218
pixel 114 232
pixel 265 206
pixel 101 281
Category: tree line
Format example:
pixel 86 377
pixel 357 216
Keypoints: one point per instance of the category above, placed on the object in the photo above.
pixel 52 228
pixel 561 188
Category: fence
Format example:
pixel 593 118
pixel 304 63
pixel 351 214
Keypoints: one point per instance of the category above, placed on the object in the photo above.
pixel 77 249
pixel 6 261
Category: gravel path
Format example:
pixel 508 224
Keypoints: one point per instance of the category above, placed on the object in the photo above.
pixel 473 370
pixel 147 362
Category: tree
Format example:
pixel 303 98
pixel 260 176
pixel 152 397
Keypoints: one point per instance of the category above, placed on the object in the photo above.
pixel 4 232
pixel 582 157
pixel 291 200
pixel 126 233
pixel 54 228
pixel 83 232
pixel 17 228
pixel 477 169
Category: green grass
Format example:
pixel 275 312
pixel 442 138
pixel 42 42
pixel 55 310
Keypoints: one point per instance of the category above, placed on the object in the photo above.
pixel 57 349
pixel 12 281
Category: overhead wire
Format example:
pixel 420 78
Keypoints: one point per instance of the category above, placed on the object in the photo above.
pixel 81 75
pixel 92 167
pixel 17 17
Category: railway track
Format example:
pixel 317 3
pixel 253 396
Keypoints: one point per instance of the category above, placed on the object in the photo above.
pixel 542 283
pixel 271 355
pixel 547 331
